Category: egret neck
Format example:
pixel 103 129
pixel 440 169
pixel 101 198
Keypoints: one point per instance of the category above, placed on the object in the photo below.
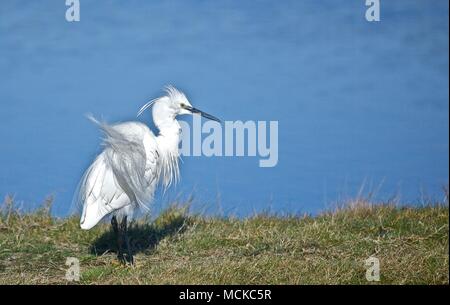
pixel 168 141
pixel 169 136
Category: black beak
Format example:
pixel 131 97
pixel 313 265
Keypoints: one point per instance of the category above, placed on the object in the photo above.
pixel 203 114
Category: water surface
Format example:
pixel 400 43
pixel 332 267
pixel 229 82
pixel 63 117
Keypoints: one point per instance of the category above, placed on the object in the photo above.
pixel 356 101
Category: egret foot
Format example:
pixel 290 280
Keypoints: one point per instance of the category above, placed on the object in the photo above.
pixel 124 229
pixel 119 239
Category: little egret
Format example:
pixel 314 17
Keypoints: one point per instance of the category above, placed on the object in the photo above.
pixel 133 163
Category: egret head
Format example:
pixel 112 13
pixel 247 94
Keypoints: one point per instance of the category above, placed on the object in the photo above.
pixel 173 104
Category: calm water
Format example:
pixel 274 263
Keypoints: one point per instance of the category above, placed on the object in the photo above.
pixel 356 101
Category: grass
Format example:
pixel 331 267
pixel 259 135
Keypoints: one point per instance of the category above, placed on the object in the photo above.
pixel 180 248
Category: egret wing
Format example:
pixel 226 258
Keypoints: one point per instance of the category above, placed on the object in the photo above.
pixel 124 173
pixel 99 193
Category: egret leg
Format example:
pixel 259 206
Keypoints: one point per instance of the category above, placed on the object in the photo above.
pixel 124 229
pixel 118 234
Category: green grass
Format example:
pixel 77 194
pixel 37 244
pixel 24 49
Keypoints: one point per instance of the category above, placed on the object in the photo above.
pixel 181 248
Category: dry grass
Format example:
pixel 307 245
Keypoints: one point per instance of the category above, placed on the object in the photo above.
pixel 411 244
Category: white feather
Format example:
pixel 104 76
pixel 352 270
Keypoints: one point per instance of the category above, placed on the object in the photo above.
pixel 132 164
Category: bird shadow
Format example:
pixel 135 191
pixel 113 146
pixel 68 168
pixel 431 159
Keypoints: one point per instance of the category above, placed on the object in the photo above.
pixel 144 236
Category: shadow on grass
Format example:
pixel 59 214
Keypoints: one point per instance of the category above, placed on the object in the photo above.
pixel 144 237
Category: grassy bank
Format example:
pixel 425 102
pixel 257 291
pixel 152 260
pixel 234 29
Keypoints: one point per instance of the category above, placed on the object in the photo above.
pixel 411 244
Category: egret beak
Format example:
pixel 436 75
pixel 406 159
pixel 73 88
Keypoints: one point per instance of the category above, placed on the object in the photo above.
pixel 203 114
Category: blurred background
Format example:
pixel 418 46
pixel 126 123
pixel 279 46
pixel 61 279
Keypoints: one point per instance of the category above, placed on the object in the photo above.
pixel 358 103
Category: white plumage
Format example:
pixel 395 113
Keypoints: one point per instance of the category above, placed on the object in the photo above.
pixel 134 161
pixel 123 176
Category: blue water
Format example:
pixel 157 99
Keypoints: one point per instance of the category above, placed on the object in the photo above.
pixel 358 103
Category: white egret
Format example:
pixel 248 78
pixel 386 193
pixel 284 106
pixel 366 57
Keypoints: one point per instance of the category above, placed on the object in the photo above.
pixel 134 162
